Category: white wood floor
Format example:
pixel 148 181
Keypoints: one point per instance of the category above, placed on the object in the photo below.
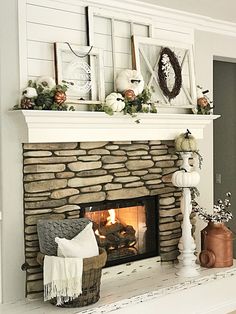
pixel 138 283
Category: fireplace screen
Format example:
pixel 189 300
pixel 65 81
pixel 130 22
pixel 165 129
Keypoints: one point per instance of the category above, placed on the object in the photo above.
pixel 127 229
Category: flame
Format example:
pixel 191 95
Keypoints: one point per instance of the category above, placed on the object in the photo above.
pixel 112 218
pixel 98 234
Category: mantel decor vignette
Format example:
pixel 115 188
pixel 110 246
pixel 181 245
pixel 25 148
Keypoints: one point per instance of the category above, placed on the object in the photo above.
pixel 71 158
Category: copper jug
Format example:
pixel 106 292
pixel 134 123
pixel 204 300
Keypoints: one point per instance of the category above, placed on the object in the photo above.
pixel 217 246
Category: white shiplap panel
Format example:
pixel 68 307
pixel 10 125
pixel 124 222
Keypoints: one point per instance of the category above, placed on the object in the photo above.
pixel 52 34
pixel 40 50
pixel 60 5
pixel 53 17
pixel 123 60
pixel 40 67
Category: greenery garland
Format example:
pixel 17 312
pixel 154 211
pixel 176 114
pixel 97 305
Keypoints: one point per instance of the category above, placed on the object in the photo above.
pixel 167 53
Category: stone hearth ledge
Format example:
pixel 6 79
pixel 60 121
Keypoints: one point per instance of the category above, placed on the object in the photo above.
pixel 38 126
pixel 119 288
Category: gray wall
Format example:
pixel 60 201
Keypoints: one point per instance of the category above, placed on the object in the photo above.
pixel 225 133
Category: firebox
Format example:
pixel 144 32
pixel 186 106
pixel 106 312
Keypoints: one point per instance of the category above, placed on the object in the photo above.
pixel 127 229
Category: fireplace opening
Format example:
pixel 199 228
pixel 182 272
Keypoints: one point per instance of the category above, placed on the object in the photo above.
pixel 127 229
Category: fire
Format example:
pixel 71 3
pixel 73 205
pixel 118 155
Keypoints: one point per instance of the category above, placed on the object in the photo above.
pixel 98 234
pixel 112 218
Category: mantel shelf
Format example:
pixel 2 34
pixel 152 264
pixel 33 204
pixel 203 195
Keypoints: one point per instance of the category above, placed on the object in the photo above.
pixel 82 126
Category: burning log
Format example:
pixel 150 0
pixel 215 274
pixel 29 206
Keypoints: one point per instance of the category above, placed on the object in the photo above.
pixel 113 228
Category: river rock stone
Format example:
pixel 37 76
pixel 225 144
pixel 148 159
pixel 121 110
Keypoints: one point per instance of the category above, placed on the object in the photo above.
pixel 170 212
pixel 48 160
pixel 169 226
pixel 156 142
pixel 166 201
pixel 126 179
pixel 80 165
pixel 139 164
pixel 35 199
pixel 137 153
pixel 89 158
pixel 66 208
pixel 170 256
pixel 62 193
pixel 165 157
pixel 38 176
pixel 118 153
pixel 91 173
pixel 139 172
pixel 31 237
pixel 93 188
pixel 165 220
pixel 153 181
pixel 50 146
pixel 32 220
pixel 91 145
pixel 112 147
pixel 164 164
pixel 74 152
pixel 114 166
pixel 169 242
pixel 155 170
pixel 122 174
pixel 87 198
pixel 133 184
pixel 99 151
pixel 30 229
pixel 158 152
pixel 66 174
pixel 45 204
pixel 35 276
pixel 36 285
pixel 112 186
pixel 38 153
pixel 113 159
pixel 81 182
pixel 37 211
pixel 127 193
pixel 169 170
pixel 48 185
pixel 44 168
pixel 134 147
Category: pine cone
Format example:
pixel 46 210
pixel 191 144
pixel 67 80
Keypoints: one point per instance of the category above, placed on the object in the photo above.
pixel 59 97
pixel 26 103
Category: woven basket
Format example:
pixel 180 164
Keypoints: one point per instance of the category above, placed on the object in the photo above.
pixel 91 280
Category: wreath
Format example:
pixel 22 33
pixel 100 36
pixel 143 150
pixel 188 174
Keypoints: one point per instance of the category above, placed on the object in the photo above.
pixel 168 59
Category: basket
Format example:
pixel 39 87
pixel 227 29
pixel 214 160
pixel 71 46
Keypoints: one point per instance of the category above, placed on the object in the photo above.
pixel 91 280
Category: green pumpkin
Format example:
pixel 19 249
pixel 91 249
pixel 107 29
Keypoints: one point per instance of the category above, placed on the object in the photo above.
pixel 186 142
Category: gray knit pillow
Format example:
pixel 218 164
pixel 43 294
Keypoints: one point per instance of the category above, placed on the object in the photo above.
pixel 48 230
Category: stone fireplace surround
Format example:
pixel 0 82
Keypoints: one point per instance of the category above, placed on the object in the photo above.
pixel 58 177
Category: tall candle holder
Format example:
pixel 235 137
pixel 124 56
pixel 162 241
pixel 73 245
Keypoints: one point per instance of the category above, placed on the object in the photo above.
pixel 186 178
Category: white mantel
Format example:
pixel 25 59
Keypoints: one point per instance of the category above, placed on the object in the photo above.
pixel 80 126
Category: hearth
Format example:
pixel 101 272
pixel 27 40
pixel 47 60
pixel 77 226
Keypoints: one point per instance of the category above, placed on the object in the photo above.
pixel 127 229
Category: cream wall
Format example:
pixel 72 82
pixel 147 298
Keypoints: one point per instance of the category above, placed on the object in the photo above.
pixel 206 45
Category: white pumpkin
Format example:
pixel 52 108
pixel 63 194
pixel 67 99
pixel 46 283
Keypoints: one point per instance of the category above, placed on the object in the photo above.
pixel 183 179
pixel 186 142
pixel 115 101
pixel 130 79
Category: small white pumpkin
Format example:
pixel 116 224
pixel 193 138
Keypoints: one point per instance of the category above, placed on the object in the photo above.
pixel 130 79
pixel 186 142
pixel 30 92
pixel 185 179
pixel 115 101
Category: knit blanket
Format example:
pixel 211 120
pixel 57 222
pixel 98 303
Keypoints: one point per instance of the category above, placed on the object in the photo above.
pixel 62 278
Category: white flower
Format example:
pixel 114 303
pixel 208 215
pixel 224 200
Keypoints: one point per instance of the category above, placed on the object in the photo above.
pixel 46 81
pixel 30 92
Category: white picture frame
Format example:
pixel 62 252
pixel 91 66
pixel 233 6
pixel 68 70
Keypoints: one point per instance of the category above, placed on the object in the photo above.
pixel 141 52
pixel 81 65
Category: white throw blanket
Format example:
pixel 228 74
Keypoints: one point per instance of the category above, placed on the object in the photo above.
pixel 62 278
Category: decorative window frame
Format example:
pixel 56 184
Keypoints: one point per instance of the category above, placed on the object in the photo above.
pixel 97 79
pixel 113 16
pixel 137 41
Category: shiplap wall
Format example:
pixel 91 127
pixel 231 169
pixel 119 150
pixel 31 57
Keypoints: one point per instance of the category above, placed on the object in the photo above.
pixel 44 22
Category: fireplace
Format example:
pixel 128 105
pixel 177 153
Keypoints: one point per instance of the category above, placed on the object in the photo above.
pixel 130 179
pixel 127 229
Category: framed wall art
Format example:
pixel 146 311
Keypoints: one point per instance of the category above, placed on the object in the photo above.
pixel 81 69
pixel 167 68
